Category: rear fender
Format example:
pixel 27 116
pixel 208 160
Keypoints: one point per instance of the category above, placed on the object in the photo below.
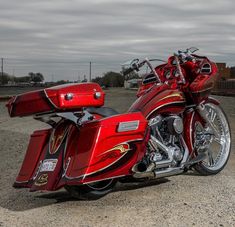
pixel 34 153
pixel 46 147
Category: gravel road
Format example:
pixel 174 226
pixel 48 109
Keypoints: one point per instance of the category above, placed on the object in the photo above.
pixel 185 200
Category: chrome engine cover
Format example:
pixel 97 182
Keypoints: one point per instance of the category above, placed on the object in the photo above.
pixel 166 151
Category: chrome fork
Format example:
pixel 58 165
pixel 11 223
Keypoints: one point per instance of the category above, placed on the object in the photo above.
pixel 209 117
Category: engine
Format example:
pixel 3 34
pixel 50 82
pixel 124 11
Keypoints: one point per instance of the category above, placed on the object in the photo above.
pixel 167 130
pixel 165 149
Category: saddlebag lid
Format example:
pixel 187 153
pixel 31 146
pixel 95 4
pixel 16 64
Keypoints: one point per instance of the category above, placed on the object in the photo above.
pixel 68 97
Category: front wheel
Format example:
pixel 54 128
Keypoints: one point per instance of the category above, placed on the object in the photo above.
pixel 91 191
pixel 217 145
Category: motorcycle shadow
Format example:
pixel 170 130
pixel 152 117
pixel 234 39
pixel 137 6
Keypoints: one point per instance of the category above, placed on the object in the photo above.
pixel 24 200
pixel 127 186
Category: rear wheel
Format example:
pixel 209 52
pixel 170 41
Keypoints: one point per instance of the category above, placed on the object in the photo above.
pixel 91 191
pixel 215 145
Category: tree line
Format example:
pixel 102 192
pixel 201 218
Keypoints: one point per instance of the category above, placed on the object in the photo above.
pixel 109 79
pixel 31 78
pixel 114 79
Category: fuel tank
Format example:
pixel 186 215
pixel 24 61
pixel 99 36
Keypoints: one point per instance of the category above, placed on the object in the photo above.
pixel 160 99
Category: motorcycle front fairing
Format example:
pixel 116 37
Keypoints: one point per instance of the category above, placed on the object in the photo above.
pixel 71 155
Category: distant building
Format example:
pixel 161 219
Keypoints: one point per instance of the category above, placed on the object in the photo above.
pixel 133 83
pixel 223 71
pixel 232 70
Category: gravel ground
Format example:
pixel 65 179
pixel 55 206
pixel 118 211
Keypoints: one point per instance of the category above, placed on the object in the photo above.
pixel 185 200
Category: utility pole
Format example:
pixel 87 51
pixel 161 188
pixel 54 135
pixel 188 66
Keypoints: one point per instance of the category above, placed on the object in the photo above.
pixel 2 69
pixel 79 78
pixel 90 73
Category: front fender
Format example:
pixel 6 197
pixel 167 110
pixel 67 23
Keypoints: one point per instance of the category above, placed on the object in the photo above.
pixel 213 100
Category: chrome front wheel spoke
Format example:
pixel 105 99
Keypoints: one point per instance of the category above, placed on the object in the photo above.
pixel 210 156
pixel 220 141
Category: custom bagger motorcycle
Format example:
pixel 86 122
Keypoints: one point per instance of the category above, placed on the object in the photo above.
pixel 173 126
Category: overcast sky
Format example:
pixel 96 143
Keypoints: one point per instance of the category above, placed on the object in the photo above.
pixel 60 37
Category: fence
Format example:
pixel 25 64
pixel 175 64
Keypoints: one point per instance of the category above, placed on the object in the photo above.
pixel 226 87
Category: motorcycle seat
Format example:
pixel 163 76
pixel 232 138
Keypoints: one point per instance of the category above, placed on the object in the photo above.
pixel 103 111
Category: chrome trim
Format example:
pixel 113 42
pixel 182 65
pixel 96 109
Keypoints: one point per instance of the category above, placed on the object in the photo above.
pixel 153 70
pixel 203 68
pixel 98 135
pixel 127 126
pixel 37 171
pixel 13 103
pixel 97 95
pixel 104 179
pixel 179 68
pixel 186 151
pixel 21 182
pixel 65 168
pixel 191 129
pixel 128 141
pixel 73 178
pixel 69 96
pixel 53 104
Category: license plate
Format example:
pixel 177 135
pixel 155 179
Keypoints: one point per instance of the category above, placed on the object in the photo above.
pixel 48 165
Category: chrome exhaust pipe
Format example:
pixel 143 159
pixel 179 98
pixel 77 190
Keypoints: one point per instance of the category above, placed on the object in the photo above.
pixel 148 172
pixel 157 144
pixel 144 175
pixel 168 172
pixel 158 174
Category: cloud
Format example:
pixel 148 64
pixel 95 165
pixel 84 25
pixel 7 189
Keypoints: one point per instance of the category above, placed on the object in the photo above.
pixel 61 37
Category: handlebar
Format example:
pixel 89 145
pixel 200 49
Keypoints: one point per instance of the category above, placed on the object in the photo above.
pixel 180 56
pixel 184 56
pixel 127 71
pixel 187 54
pixel 136 66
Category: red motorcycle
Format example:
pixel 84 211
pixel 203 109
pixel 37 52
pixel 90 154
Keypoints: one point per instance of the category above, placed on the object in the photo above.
pixel 172 127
